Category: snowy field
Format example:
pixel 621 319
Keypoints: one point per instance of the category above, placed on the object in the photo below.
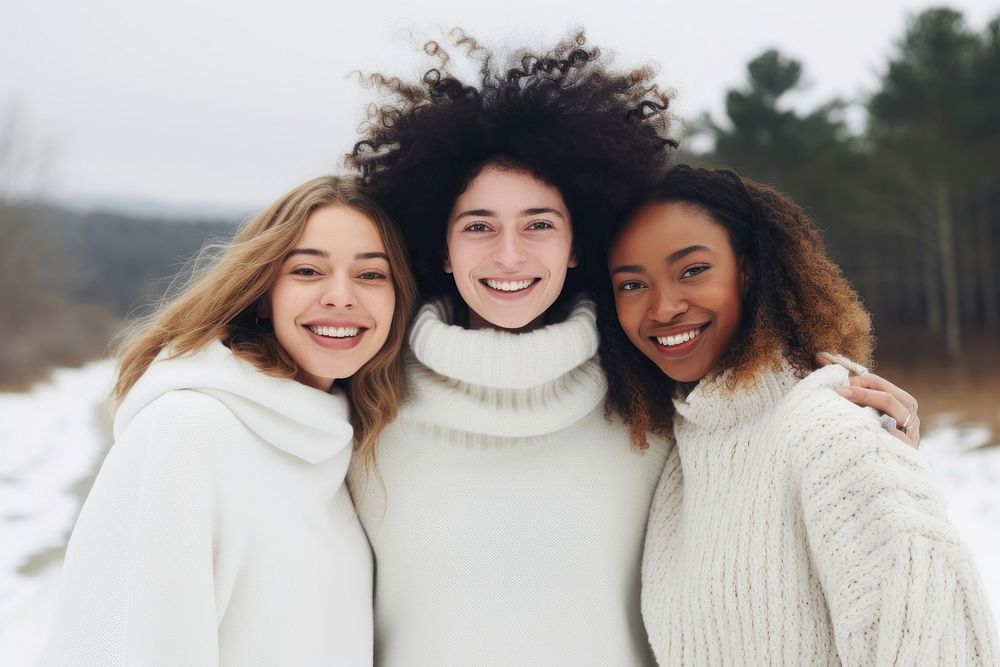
pixel 53 438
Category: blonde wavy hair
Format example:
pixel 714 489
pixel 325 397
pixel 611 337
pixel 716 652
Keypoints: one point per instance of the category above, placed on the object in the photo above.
pixel 220 301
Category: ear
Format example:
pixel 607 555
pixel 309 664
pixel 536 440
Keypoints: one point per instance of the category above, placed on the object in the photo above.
pixel 447 264
pixel 746 276
pixel 573 262
pixel 263 309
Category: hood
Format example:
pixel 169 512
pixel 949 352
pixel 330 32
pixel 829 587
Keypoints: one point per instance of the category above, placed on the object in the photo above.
pixel 305 422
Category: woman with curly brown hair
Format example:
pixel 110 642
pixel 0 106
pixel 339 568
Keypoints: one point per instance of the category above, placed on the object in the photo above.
pixel 794 529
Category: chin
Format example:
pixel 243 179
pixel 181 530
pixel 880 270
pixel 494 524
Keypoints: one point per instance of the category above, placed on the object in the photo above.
pixel 511 324
pixel 335 372
pixel 684 375
pixel 507 320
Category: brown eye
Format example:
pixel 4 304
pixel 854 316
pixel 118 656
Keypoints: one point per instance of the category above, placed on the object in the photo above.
pixel 694 271
pixel 540 225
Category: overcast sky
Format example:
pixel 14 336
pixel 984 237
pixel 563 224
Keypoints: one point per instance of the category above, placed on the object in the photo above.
pixel 228 103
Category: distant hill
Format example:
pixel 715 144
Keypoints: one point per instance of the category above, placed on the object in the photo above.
pixel 153 209
pixel 71 278
pixel 127 262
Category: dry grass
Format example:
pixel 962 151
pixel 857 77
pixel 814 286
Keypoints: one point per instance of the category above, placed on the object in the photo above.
pixel 968 387
pixel 57 335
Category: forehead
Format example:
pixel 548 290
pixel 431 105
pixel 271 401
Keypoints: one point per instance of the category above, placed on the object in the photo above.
pixel 340 229
pixel 659 228
pixel 499 189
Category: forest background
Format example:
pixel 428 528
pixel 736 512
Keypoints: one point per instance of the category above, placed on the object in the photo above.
pixel 908 200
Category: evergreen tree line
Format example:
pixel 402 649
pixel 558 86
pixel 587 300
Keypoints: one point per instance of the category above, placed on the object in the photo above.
pixel 910 207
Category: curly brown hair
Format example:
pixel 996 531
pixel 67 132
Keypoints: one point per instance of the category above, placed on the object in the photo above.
pixel 797 302
pixel 566 116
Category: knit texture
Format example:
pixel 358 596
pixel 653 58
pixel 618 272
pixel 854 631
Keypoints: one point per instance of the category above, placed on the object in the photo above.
pixel 511 528
pixel 797 531
pixel 219 529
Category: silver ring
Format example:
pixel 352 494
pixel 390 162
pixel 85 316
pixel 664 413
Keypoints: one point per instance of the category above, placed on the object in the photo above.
pixel 905 428
pixel 888 423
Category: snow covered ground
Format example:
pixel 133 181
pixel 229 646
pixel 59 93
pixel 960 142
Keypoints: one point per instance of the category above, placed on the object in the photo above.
pixel 52 439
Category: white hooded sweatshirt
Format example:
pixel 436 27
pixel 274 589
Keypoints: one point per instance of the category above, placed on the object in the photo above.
pixel 219 530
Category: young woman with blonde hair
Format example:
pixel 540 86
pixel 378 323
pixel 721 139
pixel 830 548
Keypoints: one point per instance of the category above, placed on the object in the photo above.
pixel 219 529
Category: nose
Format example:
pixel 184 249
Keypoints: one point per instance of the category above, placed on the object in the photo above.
pixel 339 292
pixel 667 304
pixel 508 250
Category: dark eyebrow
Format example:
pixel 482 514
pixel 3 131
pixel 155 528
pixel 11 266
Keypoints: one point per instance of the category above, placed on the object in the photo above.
pixel 477 213
pixel 628 268
pixel 316 252
pixel 372 255
pixel 540 211
pixel 684 252
pixel 487 213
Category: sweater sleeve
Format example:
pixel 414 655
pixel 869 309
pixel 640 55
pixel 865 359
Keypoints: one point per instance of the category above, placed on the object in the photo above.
pixel 900 585
pixel 138 585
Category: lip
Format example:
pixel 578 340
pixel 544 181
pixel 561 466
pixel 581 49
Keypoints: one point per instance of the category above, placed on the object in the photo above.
pixel 500 294
pixel 336 323
pixel 685 348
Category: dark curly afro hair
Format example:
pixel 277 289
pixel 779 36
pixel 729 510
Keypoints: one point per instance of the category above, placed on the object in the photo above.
pixel 797 302
pixel 566 116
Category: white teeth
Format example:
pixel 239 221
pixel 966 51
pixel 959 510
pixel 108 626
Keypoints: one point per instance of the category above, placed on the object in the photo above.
pixel 678 339
pixel 335 332
pixel 511 286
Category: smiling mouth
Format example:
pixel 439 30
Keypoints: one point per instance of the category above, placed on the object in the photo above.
pixel 679 339
pixel 336 332
pixel 509 286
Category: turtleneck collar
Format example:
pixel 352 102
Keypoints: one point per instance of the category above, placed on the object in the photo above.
pixel 498 358
pixel 497 383
pixel 713 403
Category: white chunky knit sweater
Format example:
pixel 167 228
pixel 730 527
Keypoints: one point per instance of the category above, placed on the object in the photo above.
pixel 802 533
pixel 512 525
pixel 219 530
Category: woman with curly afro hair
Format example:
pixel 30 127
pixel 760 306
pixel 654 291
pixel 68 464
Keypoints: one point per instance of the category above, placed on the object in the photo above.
pixel 793 529
pixel 509 523
pixel 508 511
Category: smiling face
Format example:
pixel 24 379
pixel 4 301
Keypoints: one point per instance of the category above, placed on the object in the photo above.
pixel 331 305
pixel 510 244
pixel 678 288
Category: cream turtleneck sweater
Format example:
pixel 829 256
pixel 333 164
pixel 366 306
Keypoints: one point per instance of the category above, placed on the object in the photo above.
pixel 511 528
pixel 804 534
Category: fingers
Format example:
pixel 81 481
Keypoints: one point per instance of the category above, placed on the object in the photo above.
pixel 907 422
pixel 873 391
pixel 826 358
pixel 874 398
pixel 873 381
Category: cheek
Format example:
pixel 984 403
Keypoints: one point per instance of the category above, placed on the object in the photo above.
pixel 383 306
pixel 276 300
pixel 629 316
pixel 560 255
pixel 456 252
